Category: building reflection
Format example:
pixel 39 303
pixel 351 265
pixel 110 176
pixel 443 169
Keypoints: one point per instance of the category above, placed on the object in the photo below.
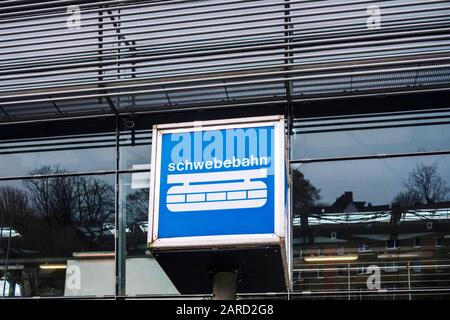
pixel 45 221
pixel 338 245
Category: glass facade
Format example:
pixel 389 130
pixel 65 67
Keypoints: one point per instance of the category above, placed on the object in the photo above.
pixel 73 212
pixel 364 91
pixel 371 198
pixel 47 222
pixel 370 203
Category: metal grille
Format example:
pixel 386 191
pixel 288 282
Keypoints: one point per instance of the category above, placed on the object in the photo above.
pixel 127 56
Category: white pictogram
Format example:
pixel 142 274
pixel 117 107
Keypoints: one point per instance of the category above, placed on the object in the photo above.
pixel 217 191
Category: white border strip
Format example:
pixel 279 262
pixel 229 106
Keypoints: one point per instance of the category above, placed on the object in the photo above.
pixel 214 241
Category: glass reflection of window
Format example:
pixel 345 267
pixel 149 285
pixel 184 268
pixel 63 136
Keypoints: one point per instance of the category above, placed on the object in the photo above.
pixel 143 274
pixel 377 182
pixel 391 267
pixel 375 135
pixel 76 153
pixel 392 244
pixel 417 243
pixel 9 289
pixel 361 191
pixel 361 269
pixel 416 266
pixel 364 247
pixel 134 203
pixel 135 149
pixel 51 224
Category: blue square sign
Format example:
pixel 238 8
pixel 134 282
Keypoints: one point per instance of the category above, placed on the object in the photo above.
pixel 218 183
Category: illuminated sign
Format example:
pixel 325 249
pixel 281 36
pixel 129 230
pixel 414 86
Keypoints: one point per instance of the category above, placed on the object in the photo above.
pixel 218 183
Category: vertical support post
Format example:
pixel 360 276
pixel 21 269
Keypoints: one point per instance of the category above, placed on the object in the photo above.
pixel 289 116
pixel 287 64
pixel 8 249
pixel 100 49
pixel 409 280
pixel 12 287
pixel 2 222
pixel 120 244
pixel 348 281
pixel 224 285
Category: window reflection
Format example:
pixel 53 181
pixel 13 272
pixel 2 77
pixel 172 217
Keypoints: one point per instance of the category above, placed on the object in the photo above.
pixel 135 148
pixel 143 273
pixel 135 208
pixel 383 190
pixel 392 214
pixel 371 136
pixel 47 223
pixel 78 153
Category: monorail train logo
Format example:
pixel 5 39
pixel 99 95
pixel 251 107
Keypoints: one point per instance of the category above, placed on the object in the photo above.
pixel 218 169
pixel 217 191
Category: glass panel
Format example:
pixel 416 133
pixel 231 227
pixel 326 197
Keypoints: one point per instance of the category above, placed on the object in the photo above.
pixel 80 153
pixel 56 236
pixel 143 273
pixel 135 149
pixel 370 136
pixel 365 225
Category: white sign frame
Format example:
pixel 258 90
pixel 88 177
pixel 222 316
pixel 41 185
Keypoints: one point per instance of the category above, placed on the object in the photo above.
pixel 246 240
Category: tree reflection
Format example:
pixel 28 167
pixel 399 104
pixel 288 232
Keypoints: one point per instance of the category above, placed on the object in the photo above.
pixel 424 186
pixel 57 215
pixel 410 230
pixel 305 198
pixel 137 206
pixel 137 221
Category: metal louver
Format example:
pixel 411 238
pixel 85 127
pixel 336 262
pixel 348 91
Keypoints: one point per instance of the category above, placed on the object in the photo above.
pixel 132 56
